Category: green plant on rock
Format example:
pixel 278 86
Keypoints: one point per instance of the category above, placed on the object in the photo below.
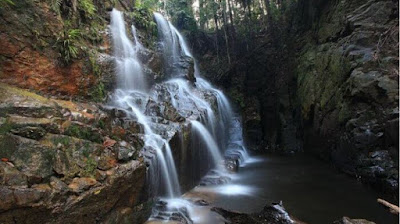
pixel 83 133
pixel 94 65
pixel 68 44
pixel 5 127
pixel 86 150
pixel 87 6
pixel 65 141
pixel 90 167
pixel 98 92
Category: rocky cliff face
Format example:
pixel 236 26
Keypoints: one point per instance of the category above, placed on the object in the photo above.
pixel 60 162
pixel 326 82
pixel 347 87
pixel 75 162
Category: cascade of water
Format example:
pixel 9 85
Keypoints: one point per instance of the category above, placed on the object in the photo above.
pixel 226 125
pixel 183 95
pixel 209 141
pixel 131 87
pixel 138 45
pixel 225 111
pixel 177 56
pixel 129 70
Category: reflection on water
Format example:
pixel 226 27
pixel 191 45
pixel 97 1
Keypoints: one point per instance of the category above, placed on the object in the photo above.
pixel 310 190
pixel 228 189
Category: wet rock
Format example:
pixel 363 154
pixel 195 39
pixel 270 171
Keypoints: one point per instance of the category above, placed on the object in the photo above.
pixel 163 212
pixel 125 151
pixel 214 180
pixel 117 113
pixel 347 220
pixel 271 214
pixel 201 202
pixel 232 164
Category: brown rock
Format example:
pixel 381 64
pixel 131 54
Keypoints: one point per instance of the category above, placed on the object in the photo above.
pixel 80 184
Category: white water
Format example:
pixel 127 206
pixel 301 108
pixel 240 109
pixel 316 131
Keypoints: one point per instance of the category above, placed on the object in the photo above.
pixel 210 142
pixel 183 97
pixel 131 94
pixel 128 69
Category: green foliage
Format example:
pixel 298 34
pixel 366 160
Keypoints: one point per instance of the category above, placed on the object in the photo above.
pixel 101 124
pixel 56 6
pixel 87 6
pixel 181 14
pixel 90 167
pixel 93 64
pixel 83 133
pixel 98 92
pixel 6 2
pixel 86 150
pixel 65 141
pixel 143 18
pixel 148 4
pixel 5 127
pixel 67 44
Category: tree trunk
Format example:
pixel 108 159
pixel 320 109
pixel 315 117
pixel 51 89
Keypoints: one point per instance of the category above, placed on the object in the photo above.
pixel 225 32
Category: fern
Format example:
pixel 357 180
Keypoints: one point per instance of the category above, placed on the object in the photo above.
pixel 87 6
pixel 56 6
pixel 68 45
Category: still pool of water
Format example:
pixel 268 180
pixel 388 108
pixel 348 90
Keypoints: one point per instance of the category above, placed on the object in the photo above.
pixel 310 190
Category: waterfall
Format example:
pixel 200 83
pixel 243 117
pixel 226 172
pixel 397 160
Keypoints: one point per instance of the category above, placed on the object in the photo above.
pixel 226 129
pixel 176 53
pixel 198 102
pixel 131 90
pixel 210 142
pixel 180 89
pixel 129 70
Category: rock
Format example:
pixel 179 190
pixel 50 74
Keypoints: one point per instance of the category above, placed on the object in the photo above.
pixel 109 142
pixel 25 196
pixel 33 159
pixel 7 198
pixel 78 185
pixel 347 220
pixel 125 151
pixel 107 160
pixel 58 185
pixel 271 214
pixel 175 213
pixel 210 180
pixel 35 133
pixel 232 164
pixel 10 176
pixel 63 165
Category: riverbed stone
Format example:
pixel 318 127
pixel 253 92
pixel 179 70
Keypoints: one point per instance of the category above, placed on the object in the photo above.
pixel 347 220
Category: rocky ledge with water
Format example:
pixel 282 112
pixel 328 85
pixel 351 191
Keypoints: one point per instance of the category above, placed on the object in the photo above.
pixel 65 162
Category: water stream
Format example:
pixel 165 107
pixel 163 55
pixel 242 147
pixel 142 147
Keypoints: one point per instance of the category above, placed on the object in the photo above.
pixel 133 96
pixel 207 111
